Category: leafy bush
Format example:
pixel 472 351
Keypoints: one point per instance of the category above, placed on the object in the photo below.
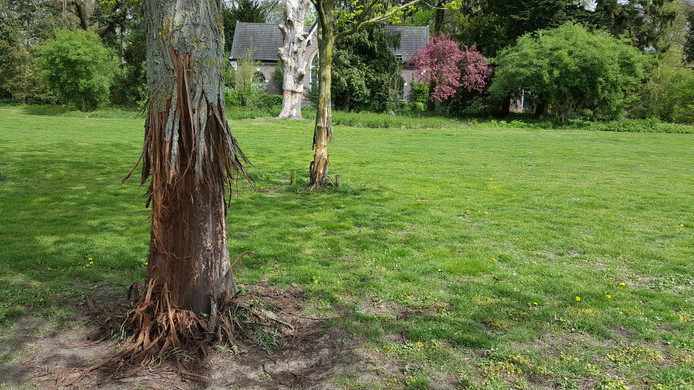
pixel 570 69
pixel 419 93
pixel 231 97
pixel 668 96
pixel 77 67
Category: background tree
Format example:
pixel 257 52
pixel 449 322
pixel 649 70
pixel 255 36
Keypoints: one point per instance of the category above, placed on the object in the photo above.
pixel 247 80
pixel 14 54
pixel 251 11
pixel 366 73
pixel 443 64
pixel 688 46
pixel 644 22
pixel 349 20
pixel 77 67
pixel 571 69
pixel 495 24
pixel 189 152
pixel 291 56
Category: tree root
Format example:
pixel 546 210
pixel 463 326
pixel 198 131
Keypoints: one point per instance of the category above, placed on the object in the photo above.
pixel 152 330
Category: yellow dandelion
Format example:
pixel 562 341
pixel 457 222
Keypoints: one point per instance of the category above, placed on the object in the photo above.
pixel 408 297
pixel 41 300
pixel 681 224
pixel 328 248
pixel 90 259
pixel 48 269
pixel 146 263
pixel 315 281
pixel 534 262
pixel 535 303
pixel 545 246
pixel 491 178
pixel 514 194
pixel 493 259
pixel 468 211
pixel 622 284
pixel 342 205
pixel 608 296
pixel 578 299
pixel 91 262
pixel 486 212
pixel 561 320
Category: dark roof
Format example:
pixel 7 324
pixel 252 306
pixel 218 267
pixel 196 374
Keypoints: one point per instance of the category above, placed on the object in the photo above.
pixel 411 39
pixel 266 38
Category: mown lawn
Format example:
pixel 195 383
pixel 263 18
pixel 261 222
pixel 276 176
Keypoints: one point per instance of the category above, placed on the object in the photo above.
pixel 469 255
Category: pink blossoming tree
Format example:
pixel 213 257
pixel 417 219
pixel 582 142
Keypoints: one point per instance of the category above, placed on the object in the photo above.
pixel 448 67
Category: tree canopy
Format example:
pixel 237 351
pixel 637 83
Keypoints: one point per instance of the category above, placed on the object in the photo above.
pixel 448 67
pixel 366 74
pixel 78 67
pixel 571 69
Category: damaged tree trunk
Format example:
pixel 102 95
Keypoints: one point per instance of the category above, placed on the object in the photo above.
pixel 323 130
pixel 189 152
pixel 291 55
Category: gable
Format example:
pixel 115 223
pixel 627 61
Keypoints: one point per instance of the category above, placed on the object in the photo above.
pixel 264 38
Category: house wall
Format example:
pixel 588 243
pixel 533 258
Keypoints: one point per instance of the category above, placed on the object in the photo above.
pixel 274 87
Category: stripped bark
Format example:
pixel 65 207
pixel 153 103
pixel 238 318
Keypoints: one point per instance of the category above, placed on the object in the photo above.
pixel 323 130
pixel 189 152
pixel 291 55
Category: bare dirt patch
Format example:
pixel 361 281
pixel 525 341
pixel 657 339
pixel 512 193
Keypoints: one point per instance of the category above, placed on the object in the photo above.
pixel 313 356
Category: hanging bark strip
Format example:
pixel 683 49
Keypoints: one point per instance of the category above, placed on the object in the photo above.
pixel 190 154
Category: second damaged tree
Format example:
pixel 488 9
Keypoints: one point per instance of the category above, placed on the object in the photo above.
pixel 291 55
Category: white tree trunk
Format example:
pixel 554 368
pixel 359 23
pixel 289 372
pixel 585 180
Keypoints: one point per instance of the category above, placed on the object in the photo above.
pixel 291 55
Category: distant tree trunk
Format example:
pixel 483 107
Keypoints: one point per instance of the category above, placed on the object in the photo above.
pixel 541 107
pixel 323 131
pixel 292 57
pixel 81 11
pixel 123 45
pixel 438 17
pixel 189 151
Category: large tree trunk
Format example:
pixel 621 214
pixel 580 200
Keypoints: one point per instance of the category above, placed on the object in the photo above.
pixel 323 131
pixel 189 151
pixel 292 57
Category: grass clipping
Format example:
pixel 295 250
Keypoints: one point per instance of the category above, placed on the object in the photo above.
pixel 155 330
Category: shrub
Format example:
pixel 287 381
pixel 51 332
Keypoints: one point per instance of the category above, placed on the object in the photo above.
pixel 77 67
pixel 570 69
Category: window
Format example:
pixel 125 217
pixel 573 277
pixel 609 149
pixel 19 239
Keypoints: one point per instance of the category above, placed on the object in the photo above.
pixel 314 68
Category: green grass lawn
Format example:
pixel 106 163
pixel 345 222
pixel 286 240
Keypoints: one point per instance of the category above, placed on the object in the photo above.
pixel 490 257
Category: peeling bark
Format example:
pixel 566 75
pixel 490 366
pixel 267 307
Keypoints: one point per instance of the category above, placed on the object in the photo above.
pixel 291 55
pixel 189 151
pixel 323 131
